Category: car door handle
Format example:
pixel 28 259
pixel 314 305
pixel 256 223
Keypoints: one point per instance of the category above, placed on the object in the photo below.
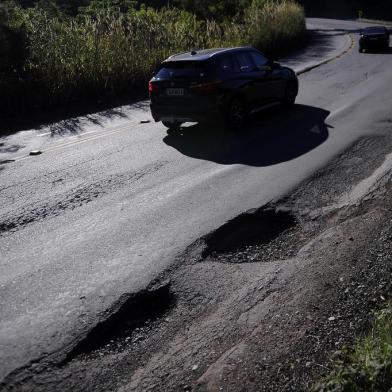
pixel 265 68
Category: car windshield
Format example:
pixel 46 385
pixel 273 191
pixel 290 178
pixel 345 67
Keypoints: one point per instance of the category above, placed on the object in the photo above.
pixel 182 69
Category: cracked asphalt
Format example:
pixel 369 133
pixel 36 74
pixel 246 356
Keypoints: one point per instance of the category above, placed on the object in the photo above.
pixel 113 204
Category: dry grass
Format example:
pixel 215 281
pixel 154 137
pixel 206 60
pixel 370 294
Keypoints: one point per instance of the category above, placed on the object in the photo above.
pixel 275 27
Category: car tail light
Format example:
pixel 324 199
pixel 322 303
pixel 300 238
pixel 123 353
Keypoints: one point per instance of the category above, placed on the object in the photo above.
pixel 207 87
pixel 152 87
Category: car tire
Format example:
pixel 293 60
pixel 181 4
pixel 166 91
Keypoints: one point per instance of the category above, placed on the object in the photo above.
pixel 236 113
pixel 174 125
pixel 291 94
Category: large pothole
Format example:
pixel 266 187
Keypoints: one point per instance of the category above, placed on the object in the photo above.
pixel 252 229
pixel 130 322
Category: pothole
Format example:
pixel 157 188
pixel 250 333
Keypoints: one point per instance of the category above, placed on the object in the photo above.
pixel 251 229
pixel 134 317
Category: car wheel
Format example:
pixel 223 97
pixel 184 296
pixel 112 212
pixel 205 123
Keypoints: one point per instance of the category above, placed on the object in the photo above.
pixel 360 50
pixel 291 94
pixel 172 124
pixel 236 113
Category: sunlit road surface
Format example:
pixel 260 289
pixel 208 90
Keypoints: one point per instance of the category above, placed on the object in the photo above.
pixel 111 201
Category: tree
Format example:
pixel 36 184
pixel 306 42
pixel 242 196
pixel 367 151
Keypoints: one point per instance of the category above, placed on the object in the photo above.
pixel 13 42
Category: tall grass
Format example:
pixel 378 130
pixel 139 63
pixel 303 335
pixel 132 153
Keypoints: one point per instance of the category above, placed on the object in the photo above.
pixel 107 54
pixel 275 26
pixel 368 365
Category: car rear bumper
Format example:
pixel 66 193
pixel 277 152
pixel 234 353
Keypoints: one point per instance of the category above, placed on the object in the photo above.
pixel 184 114
pixel 370 43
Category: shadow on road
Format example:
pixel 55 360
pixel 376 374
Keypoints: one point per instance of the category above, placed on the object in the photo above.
pixel 74 126
pixel 377 51
pixel 321 43
pixel 8 149
pixel 270 138
pixel 68 121
pixel 333 32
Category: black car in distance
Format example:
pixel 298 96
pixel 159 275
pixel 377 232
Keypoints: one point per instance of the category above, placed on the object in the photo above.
pixel 224 85
pixel 374 38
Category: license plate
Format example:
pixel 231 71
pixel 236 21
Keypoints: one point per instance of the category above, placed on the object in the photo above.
pixel 175 91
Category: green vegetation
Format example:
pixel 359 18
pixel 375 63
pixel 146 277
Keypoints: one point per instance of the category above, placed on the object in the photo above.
pixel 372 9
pixel 105 51
pixel 368 365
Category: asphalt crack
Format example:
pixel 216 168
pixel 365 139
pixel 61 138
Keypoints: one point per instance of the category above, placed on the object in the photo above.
pixel 73 199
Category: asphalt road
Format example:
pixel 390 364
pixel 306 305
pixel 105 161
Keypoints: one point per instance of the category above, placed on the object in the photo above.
pixel 111 201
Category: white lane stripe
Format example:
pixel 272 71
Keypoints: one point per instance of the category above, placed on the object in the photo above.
pixel 71 143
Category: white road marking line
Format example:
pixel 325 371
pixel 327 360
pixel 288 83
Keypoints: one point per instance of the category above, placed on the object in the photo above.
pixel 95 137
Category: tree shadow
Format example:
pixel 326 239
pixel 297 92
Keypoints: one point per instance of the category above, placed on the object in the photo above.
pixel 321 43
pixel 336 32
pixel 376 50
pixel 270 138
pixel 74 126
pixel 65 121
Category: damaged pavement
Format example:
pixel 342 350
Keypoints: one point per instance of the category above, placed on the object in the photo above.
pixel 259 304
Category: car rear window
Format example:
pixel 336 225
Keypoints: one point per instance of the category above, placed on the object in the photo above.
pixel 374 30
pixel 182 69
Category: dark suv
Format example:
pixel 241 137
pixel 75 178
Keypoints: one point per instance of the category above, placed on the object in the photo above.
pixel 218 84
pixel 376 37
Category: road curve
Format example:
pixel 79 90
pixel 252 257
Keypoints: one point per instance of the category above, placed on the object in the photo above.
pixel 111 201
